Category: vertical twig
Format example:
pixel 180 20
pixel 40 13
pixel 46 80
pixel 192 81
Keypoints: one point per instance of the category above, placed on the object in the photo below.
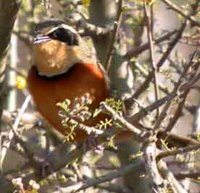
pixel 194 65
pixel 7 142
pixel 175 90
pixel 151 50
pixel 114 34
pixel 171 46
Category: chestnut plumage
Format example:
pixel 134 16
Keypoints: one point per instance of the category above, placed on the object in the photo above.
pixel 64 69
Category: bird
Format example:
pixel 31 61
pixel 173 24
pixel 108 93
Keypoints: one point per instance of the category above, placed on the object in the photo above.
pixel 64 68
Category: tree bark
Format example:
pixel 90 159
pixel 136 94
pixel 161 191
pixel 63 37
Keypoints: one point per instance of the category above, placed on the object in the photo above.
pixel 103 13
pixel 8 12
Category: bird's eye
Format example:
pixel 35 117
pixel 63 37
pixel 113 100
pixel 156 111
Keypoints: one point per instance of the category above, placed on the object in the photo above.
pixel 54 35
pixel 64 35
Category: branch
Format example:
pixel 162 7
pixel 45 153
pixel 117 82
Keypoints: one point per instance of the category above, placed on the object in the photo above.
pixel 179 88
pixel 8 12
pixel 151 167
pixel 151 51
pixel 7 142
pixel 106 178
pixel 175 90
pixel 182 176
pixel 114 34
pixel 136 51
pixel 183 94
pixel 166 173
pixel 180 141
pixel 179 11
pixel 171 46
pixel 27 118
pixel 138 134
pixel 93 30
pixel 177 151
pixel 25 37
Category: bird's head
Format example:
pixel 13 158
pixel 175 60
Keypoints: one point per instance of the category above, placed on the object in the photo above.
pixel 57 47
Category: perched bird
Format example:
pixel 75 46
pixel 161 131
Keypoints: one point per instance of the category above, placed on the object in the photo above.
pixel 64 69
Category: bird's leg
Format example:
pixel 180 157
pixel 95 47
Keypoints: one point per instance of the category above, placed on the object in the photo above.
pixel 92 143
pixel 46 168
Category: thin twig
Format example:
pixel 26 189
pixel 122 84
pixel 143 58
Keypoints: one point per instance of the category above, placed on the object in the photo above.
pixel 7 142
pixel 161 61
pixel 179 11
pixel 183 96
pixel 151 167
pixel 139 134
pixel 151 51
pixel 87 129
pixel 93 30
pixel 194 8
pixel 106 178
pixel 24 36
pixel 27 118
pixel 184 141
pixel 17 71
pixel 171 46
pixel 183 87
pixel 184 175
pixel 175 90
pixel 143 112
pixel 177 151
pixel 114 34
pixel 137 50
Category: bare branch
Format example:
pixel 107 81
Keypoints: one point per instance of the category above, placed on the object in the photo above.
pixel 168 175
pixel 114 34
pixel 151 51
pixel 106 178
pixel 7 142
pixel 139 134
pixel 177 151
pixel 137 50
pixel 179 11
pixel 151 166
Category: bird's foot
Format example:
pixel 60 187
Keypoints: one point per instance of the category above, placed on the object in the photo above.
pixel 93 144
pixel 46 168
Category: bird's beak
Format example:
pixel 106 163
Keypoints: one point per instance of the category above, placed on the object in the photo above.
pixel 41 39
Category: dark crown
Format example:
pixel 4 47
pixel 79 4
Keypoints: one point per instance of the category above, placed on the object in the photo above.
pixel 61 32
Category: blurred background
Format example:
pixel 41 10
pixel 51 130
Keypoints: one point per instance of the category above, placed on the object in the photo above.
pixel 128 71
